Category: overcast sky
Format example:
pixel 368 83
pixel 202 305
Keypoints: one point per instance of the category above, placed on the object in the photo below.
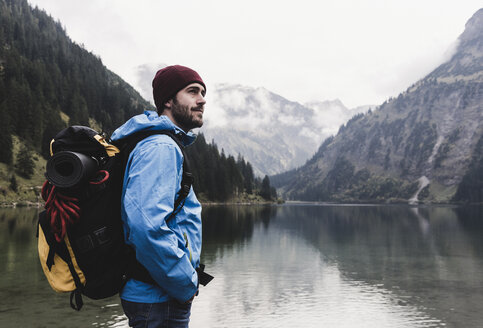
pixel 359 51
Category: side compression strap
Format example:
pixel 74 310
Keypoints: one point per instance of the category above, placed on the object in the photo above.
pixel 77 293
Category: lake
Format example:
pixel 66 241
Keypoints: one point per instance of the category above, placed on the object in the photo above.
pixel 291 265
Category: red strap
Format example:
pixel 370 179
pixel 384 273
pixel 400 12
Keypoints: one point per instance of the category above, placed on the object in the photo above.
pixel 63 210
pixel 104 179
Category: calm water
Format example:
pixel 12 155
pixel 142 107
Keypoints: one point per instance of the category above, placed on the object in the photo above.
pixel 290 266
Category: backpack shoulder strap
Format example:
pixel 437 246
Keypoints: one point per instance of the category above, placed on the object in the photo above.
pixel 128 144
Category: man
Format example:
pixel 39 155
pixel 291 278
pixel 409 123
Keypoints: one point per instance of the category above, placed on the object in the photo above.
pixel 168 249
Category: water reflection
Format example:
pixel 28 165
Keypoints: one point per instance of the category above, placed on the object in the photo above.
pixel 290 266
pixel 226 227
pixel 26 299
pixel 421 263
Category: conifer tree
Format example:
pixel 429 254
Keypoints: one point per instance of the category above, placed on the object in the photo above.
pixel 265 191
pixel 13 183
pixel 5 136
pixel 249 178
pixel 25 165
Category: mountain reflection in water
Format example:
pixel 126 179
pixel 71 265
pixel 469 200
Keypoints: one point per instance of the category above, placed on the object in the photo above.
pixel 344 266
pixel 291 266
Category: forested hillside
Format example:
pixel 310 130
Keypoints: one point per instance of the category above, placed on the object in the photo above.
pixel 48 82
pixel 222 178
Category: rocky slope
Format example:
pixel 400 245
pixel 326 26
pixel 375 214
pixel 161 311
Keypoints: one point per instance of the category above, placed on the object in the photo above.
pixel 418 146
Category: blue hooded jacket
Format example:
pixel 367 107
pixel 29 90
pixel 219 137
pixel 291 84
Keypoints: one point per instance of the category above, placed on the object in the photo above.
pixel 170 251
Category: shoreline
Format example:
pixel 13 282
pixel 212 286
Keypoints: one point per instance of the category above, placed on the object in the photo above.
pixel 27 203
pixel 32 204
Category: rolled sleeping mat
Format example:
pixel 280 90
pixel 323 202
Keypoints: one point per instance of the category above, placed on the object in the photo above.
pixel 68 169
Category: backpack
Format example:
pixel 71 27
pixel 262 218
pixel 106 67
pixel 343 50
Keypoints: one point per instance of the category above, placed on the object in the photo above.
pixel 80 236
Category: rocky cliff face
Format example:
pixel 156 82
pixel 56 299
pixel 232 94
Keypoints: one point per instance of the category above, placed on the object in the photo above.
pixel 417 146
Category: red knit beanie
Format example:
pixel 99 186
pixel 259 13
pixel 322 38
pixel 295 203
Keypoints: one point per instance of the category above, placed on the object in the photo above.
pixel 169 80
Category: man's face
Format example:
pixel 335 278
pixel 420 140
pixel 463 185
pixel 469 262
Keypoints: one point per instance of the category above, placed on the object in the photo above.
pixel 187 107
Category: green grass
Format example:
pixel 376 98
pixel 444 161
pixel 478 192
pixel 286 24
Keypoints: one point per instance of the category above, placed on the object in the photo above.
pixel 441 194
pixel 28 189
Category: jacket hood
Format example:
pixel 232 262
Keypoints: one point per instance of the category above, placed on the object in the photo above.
pixel 150 121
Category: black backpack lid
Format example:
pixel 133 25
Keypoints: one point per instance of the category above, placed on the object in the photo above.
pixel 78 139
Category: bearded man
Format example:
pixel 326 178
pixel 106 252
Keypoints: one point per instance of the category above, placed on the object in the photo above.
pixel 165 235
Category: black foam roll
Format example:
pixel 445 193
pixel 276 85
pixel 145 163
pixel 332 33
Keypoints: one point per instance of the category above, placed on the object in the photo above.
pixel 69 169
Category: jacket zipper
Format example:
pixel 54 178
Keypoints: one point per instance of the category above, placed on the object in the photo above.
pixel 187 244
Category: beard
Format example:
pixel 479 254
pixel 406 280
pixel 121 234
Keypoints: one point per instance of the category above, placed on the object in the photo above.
pixel 187 117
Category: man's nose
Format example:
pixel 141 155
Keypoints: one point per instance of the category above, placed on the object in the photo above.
pixel 200 100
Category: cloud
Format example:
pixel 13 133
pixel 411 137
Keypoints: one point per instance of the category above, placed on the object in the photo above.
pixel 144 75
pixel 361 52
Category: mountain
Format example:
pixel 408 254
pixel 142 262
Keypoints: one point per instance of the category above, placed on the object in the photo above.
pixel 426 144
pixel 48 82
pixel 273 133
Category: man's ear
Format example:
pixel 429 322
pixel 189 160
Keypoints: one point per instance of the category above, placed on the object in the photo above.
pixel 168 103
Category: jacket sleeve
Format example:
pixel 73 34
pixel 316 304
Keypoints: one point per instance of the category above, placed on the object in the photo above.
pixel 153 179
